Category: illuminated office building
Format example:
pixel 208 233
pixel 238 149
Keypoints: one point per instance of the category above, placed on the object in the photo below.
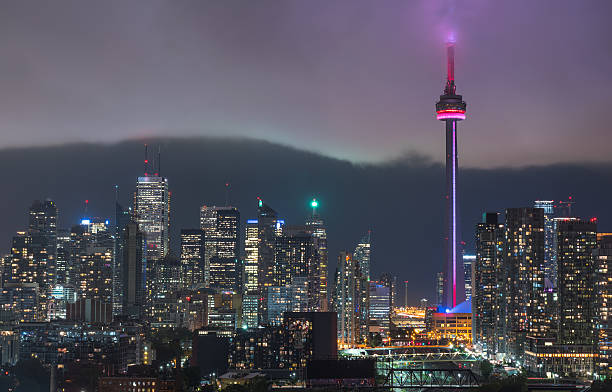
pixel 268 228
pixel 524 277
pixel 250 302
pixel 192 258
pixel 316 226
pixel 292 297
pixel 439 289
pixel 297 257
pixel 468 271
pixel 152 213
pixel 221 226
pixel 92 253
pixel 390 281
pixel 379 311
pixel 167 277
pixel 362 254
pixel 42 229
pixel 251 249
pixel 133 271
pixel 64 274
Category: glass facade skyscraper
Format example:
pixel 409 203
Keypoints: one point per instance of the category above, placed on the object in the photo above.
pixel 221 227
pixel 362 254
pixel 192 258
pixel 152 213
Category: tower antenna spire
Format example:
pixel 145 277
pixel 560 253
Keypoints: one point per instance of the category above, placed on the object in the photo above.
pixel 158 171
pixel 146 159
pixel 314 204
pixel 450 88
pixel 227 194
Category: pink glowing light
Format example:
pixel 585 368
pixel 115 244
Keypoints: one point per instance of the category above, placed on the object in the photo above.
pixel 451 116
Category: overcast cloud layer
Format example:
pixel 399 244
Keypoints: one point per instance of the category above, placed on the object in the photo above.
pixel 401 202
pixel 351 79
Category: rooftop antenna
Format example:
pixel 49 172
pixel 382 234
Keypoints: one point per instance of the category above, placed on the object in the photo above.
pixel 450 88
pixel 314 204
pixel 146 159
pixel 116 193
pixel 158 171
pixel 86 204
pixel 227 195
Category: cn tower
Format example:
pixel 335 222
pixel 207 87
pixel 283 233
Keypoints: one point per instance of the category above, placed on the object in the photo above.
pixel 451 109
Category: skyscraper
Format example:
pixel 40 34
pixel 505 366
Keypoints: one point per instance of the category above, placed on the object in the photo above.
pixel 63 266
pixel 362 254
pixel 251 250
pixel 451 109
pixel 488 284
pixel 468 273
pixel 133 279
pixel 192 258
pixel 439 289
pixel 379 300
pixel 550 253
pixel 268 227
pixel 250 298
pixel 524 278
pixel 93 256
pixel 152 213
pixel 390 281
pixel 316 226
pixel 122 218
pixel 221 226
pixel 43 223
pixel 577 239
pixel 350 300
pixel 603 302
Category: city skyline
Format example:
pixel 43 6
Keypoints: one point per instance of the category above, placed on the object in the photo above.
pixel 306 176
pixel 313 226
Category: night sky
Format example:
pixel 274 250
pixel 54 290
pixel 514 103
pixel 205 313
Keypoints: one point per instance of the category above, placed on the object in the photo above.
pixel 333 99
pixel 351 79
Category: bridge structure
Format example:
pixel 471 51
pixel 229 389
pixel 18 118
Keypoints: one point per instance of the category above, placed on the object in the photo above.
pixel 422 367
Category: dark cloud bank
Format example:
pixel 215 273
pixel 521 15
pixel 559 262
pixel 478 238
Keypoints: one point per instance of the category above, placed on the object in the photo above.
pixel 402 201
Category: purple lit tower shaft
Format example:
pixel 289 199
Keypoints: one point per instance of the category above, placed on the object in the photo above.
pixel 451 109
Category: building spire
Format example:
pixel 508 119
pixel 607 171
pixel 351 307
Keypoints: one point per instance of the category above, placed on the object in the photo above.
pixel 227 194
pixel 314 204
pixel 158 171
pixel 146 159
pixel 450 88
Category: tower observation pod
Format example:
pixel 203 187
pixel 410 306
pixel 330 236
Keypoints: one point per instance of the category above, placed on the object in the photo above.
pixel 451 109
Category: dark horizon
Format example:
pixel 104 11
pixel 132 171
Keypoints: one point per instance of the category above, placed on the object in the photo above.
pixel 401 201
